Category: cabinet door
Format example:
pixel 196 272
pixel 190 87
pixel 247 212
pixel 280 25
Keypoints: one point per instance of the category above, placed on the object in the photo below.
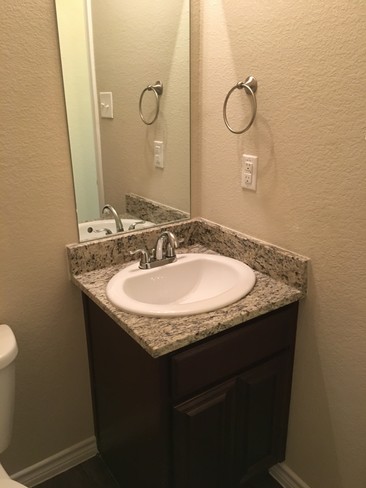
pixel 262 401
pixel 203 439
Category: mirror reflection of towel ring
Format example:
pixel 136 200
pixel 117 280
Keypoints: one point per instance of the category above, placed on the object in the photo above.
pixel 157 89
pixel 250 86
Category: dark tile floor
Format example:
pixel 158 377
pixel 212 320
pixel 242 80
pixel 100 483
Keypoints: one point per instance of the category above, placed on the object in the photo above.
pixel 89 474
pixel 94 474
pixel 263 481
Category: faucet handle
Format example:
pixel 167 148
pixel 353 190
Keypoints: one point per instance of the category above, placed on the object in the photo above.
pixel 144 260
pixel 133 226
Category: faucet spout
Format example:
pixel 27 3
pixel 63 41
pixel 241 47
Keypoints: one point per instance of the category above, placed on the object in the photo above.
pixel 163 253
pixel 166 245
pixel 109 209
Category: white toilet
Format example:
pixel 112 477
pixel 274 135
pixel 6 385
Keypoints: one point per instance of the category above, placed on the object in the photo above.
pixel 8 353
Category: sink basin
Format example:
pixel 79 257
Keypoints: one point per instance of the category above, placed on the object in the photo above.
pixel 194 283
pixel 95 228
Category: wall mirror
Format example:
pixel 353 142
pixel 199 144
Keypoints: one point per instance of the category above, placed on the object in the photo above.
pixel 126 74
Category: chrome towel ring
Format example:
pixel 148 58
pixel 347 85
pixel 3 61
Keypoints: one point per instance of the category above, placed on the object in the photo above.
pixel 250 86
pixel 157 89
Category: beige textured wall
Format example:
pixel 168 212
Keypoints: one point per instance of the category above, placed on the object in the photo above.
pixel 37 220
pixel 310 61
pixel 309 58
pixel 135 47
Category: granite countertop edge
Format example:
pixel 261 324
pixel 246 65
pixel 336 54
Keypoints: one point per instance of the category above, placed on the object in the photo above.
pixel 161 336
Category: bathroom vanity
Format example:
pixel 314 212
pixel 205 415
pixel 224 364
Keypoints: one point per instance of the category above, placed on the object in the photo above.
pixel 209 415
pixel 199 401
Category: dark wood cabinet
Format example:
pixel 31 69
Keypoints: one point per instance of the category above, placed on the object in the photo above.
pixel 209 416
pixel 230 432
pixel 203 438
pixel 262 417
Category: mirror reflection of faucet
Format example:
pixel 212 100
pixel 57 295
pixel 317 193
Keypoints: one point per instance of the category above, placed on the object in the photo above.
pixel 139 222
pixel 108 209
pixel 106 227
pixel 163 252
pixel 108 232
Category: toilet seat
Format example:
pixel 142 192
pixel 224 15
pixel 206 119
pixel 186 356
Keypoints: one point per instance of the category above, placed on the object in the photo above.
pixel 10 484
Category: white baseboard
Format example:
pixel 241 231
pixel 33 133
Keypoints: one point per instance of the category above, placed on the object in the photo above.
pixel 74 455
pixel 286 477
pixel 57 464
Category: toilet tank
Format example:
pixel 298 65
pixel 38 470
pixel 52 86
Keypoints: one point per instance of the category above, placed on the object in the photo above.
pixel 8 353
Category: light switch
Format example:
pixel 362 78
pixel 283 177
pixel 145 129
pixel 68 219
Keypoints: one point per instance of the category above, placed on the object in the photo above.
pixel 106 105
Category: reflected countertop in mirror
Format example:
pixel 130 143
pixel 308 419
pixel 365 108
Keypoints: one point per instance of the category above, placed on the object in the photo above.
pixel 112 53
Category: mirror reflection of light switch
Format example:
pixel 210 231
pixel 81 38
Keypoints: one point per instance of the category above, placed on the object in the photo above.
pixel 106 105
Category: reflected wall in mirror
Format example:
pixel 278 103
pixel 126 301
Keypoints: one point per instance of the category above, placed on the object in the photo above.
pixel 111 51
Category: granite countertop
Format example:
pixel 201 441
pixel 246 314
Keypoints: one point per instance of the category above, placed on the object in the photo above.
pixel 280 280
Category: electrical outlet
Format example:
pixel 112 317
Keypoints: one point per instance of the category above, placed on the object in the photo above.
pixel 247 179
pixel 249 168
pixel 159 154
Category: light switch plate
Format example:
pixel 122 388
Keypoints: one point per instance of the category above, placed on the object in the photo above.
pixel 106 105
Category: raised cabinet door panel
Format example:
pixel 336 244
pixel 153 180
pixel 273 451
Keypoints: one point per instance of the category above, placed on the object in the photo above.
pixel 262 416
pixel 203 433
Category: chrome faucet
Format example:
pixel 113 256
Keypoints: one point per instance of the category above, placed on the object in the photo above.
pixel 165 246
pixel 163 252
pixel 133 226
pixel 109 209
pixel 108 232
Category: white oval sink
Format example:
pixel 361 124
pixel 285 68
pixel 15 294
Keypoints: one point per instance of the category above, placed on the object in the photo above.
pixel 96 229
pixel 194 283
